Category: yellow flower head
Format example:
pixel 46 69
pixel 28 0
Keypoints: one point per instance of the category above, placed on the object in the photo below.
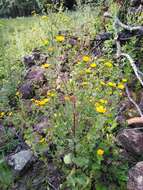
pixel 121 86
pixel 81 73
pixel 44 17
pixel 60 38
pixel 17 93
pixel 124 80
pixel 51 94
pixel 1 114
pixel 40 102
pixel 88 71
pixel 45 42
pixel 86 58
pixel 101 109
pixel 93 65
pixel 45 66
pixel 102 83
pixel 42 141
pixel 84 83
pixel 109 64
pixel 112 84
pixel 103 101
pixel 10 114
pixel 100 152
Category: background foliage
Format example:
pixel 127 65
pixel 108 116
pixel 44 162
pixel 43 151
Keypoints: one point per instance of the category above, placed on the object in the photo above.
pixel 14 8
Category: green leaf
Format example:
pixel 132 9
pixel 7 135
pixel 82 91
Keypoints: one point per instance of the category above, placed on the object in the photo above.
pixel 67 159
pixel 80 161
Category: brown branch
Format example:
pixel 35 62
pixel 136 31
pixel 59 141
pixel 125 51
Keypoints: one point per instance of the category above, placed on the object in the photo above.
pixel 135 120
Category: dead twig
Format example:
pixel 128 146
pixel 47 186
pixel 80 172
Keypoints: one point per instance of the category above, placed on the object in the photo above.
pixel 133 102
pixel 136 71
pixel 127 27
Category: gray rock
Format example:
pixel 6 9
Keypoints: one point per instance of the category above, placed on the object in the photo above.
pixel 132 141
pixel 19 160
pixel 135 3
pixel 28 60
pixel 135 180
pixel 36 75
pixel 26 90
pixel 36 58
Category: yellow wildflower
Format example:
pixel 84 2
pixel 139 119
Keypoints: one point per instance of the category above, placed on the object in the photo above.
pixel 42 141
pixel 60 38
pixel 40 102
pixel 121 86
pixel 10 114
pixel 124 80
pixel 102 83
pixel 121 94
pixel 110 92
pixel 84 83
pixel 1 114
pixel 112 84
pixel 17 93
pixel 44 101
pixel 103 101
pixel 97 89
pixel 109 64
pixel 93 65
pixel 81 73
pixel 45 66
pixel 44 17
pixel 101 109
pixel 86 58
pixel 88 71
pixel 45 42
pixel 100 152
pixel 51 94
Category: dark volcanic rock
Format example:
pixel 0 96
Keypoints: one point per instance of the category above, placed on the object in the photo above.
pixel 36 58
pixel 135 181
pixel 36 75
pixel 125 35
pixel 29 60
pixel 26 90
pixel 132 141
pixel 135 3
pixel 104 36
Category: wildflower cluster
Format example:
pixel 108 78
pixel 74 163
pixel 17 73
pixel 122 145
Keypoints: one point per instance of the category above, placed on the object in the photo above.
pixel 40 103
pixel 78 96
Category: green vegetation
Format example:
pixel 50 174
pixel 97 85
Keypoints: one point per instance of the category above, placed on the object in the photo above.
pixel 80 103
